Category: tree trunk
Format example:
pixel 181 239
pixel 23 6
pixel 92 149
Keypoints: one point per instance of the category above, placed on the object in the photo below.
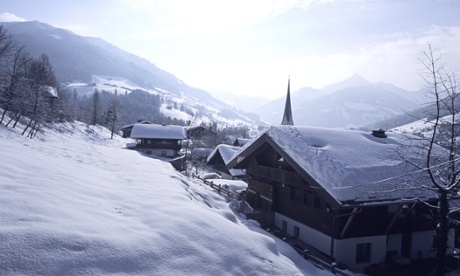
pixel 17 119
pixel 443 234
pixel 27 127
pixel 3 115
pixel 11 119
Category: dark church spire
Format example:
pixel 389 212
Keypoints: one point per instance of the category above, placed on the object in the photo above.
pixel 287 117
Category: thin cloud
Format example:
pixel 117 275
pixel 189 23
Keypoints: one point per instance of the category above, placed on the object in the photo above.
pixel 9 17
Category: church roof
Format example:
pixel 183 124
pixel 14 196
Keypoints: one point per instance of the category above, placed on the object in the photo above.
pixel 287 117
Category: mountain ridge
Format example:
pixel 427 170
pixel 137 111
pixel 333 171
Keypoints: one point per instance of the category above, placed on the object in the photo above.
pixel 78 59
pixel 331 107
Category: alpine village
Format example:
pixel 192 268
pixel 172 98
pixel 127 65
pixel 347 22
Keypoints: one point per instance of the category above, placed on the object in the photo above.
pixel 373 200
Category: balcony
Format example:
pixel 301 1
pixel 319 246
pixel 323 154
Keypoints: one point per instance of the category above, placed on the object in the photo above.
pixel 273 174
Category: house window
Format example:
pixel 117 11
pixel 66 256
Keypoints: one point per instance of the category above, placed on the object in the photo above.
pixel 306 198
pixel 296 195
pixel 317 202
pixel 296 231
pixel 363 252
pixel 284 226
pixel 163 153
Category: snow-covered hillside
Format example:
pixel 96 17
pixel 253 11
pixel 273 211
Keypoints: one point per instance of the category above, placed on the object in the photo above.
pixel 205 113
pixel 423 127
pixel 74 202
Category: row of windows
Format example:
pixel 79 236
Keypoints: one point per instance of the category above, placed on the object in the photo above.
pixel 159 142
pixel 307 198
pixel 162 153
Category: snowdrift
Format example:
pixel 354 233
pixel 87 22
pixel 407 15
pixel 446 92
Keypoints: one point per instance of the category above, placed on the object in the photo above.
pixel 74 202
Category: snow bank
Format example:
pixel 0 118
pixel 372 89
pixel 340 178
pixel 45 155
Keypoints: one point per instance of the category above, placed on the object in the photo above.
pixel 79 204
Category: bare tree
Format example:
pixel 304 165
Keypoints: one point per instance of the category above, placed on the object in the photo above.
pixel 14 81
pixel 111 116
pixel 6 43
pixel 445 177
pixel 41 78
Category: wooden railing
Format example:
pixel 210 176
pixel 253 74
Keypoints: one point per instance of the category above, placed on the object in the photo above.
pixel 218 187
pixel 278 175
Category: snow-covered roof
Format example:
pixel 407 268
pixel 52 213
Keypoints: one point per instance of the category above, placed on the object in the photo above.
pixel 350 165
pixel 131 125
pixel 226 151
pixel 241 141
pixel 50 90
pixel 158 131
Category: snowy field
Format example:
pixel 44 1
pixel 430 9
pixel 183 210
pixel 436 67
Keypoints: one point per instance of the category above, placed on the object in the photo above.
pixel 74 202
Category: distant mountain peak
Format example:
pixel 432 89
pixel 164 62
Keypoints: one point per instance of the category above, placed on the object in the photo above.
pixel 355 80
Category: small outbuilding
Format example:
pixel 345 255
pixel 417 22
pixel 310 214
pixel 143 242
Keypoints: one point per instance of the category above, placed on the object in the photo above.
pixel 219 158
pixel 159 140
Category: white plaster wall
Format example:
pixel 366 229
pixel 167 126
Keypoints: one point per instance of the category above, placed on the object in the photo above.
pixel 313 237
pixel 421 244
pixel 345 250
pixel 394 243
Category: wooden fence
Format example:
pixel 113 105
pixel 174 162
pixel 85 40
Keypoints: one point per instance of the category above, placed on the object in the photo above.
pixel 220 189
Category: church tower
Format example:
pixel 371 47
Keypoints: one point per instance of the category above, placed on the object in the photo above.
pixel 287 117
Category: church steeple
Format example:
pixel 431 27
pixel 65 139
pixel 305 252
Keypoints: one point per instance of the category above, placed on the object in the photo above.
pixel 287 117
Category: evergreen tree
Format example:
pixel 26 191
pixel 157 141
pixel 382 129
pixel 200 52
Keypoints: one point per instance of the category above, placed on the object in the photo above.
pixel 95 99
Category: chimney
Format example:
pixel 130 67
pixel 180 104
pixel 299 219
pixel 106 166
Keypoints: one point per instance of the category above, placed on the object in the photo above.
pixel 379 133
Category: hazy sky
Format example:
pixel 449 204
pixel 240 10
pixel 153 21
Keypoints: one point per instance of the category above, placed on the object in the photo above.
pixel 251 46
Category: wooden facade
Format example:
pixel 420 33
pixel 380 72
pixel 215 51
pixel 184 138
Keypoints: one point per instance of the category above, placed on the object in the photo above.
pixel 160 147
pixel 275 187
pixel 357 234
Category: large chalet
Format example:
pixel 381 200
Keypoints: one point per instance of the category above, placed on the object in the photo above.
pixel 352 195
pixel 355 197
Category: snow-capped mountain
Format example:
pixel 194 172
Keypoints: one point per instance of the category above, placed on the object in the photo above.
pixel 354 102
pixel 351 103
pixel 87 63
pixel 353 81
